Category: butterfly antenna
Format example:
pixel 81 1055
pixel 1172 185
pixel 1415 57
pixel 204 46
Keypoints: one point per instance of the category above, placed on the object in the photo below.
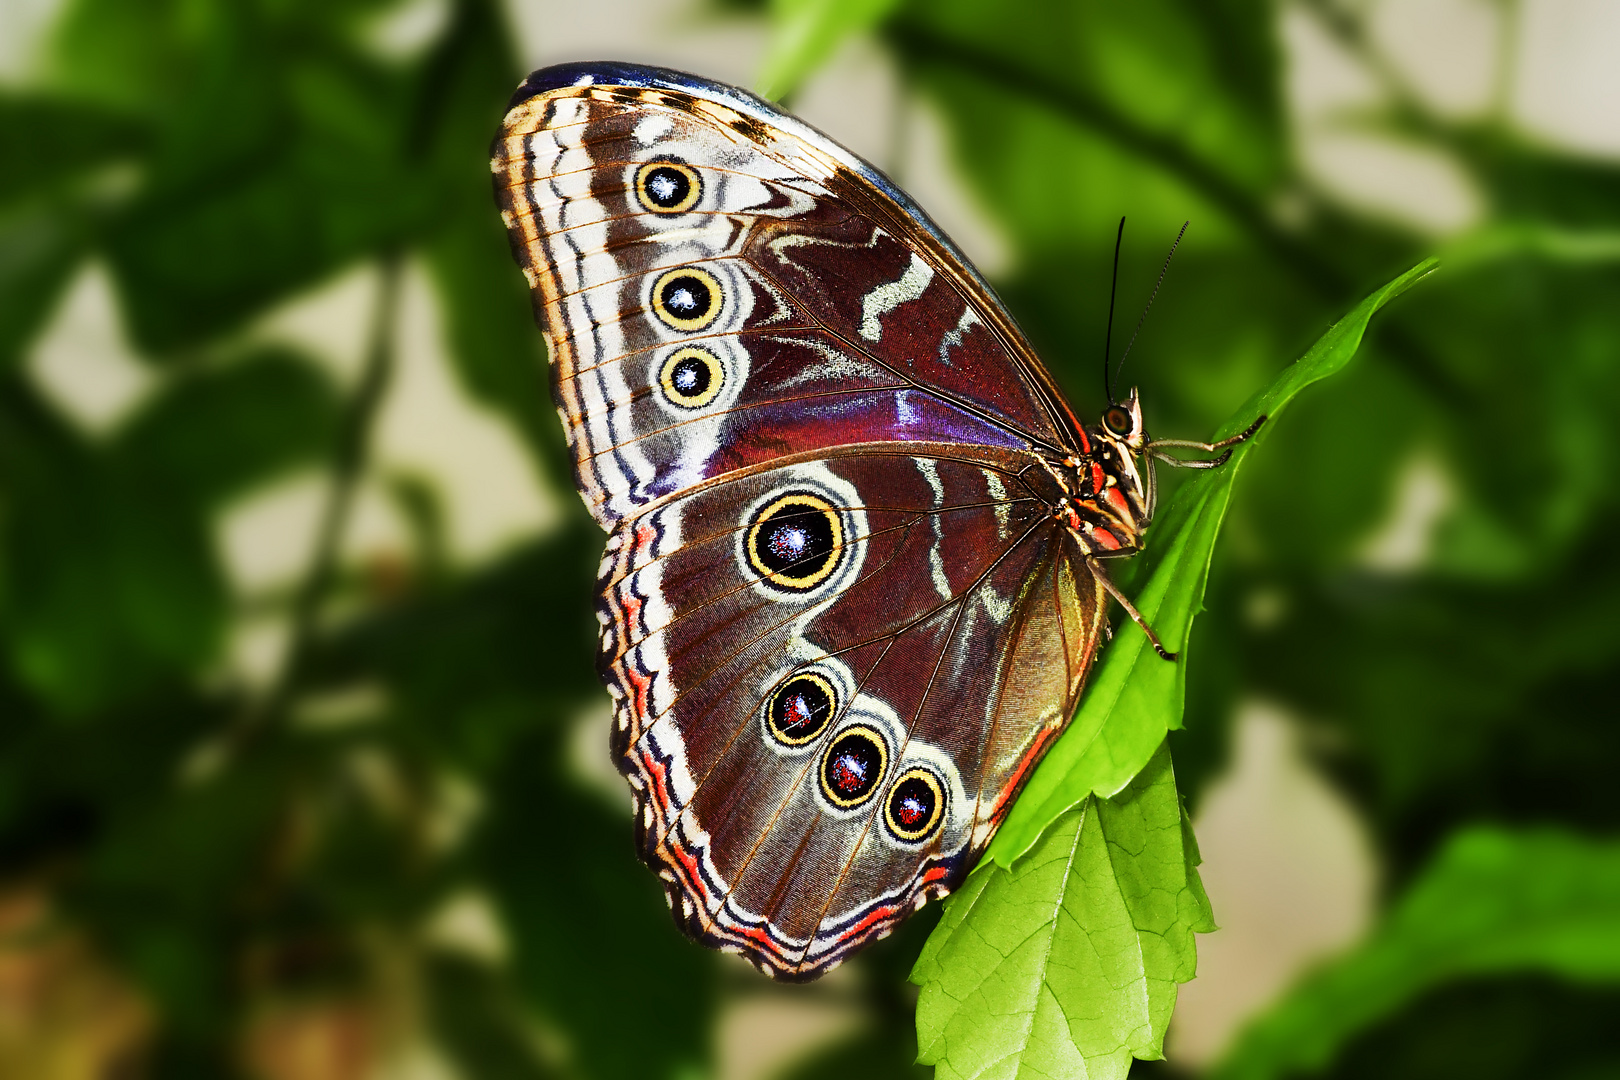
pixel 1165 270
pixel 1113 289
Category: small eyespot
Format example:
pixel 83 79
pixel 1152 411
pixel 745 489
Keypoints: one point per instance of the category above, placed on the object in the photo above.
pixel 687 299
pixel 1118 421
pixel 796 542
pixel 916 805
pixel 691 377
pixel 668 187
pixel 852 769
pixel 801 708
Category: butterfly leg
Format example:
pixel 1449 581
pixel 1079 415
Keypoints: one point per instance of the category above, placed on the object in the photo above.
pixel 1096 567
pixel 1155 449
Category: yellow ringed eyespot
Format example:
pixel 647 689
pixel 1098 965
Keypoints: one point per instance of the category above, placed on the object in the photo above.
pixel 668 187
pixel 687 299
pixel 801 708
pixel 691 377
pixel 853 766
pixel 916 805
pixel 795 543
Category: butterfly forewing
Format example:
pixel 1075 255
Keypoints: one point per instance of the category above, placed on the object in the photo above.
pixel 807 318
pixel 840 620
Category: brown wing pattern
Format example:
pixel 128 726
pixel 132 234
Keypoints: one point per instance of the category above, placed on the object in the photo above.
pixel 828 320
pixel 840 621
pixel 951 626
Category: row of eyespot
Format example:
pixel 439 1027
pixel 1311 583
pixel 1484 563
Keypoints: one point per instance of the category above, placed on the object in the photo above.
pixel 853 766
pixel 794 543
pixel 688 298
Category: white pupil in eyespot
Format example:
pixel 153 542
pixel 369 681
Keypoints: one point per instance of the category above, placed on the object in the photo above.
pixel 682 300
pixel 911 810
pixel 789 542
pixel 686 377
pixel 662 186
pixel 849 772
pixel 797 712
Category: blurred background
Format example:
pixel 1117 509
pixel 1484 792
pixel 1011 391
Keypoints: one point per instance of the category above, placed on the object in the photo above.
pixel 303 766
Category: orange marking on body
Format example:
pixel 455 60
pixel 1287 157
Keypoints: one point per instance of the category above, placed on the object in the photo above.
pixel 1116 502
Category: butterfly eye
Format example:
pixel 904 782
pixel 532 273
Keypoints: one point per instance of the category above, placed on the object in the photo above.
pixel 691 377
pixel 1118 421
pixel 687 299
pixel 853 767
pixel 668 187
pixel 796 542
pixel 800 709
pixel 916 805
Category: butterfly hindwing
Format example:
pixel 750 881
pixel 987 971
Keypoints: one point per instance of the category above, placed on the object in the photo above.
pixel 925 624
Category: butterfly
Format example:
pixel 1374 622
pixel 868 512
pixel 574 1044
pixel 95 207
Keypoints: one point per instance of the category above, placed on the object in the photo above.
pixel 854 577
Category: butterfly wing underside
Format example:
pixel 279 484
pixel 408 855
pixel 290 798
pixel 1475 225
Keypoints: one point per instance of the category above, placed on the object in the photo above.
pixel 839 621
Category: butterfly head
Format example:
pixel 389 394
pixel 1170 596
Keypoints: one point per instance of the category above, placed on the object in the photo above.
pixel 1122 423
pixel 1108 494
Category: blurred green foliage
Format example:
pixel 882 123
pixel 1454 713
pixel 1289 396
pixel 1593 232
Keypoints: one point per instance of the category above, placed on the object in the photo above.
pixel 235 861
pixel 1493 902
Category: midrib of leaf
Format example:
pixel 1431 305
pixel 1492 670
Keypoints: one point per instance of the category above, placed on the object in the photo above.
pixel 1049 929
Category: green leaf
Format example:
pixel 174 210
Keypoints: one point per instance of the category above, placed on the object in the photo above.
pixel 1067 964
pixel 1134 696
pixel 804 34
pixel 112 584
pixel 278 156
pixel 590 930
pixel 49 143
pixel 213 434
pixel 1493 902
pixel 40 246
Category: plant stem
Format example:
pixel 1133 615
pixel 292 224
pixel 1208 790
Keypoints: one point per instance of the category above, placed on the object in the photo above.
pixel 350 458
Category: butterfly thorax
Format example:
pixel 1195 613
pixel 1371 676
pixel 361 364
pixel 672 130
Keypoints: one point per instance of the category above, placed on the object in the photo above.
pixel 1103 500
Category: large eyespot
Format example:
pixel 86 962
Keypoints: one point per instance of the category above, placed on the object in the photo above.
pixel 688 298
pixel 668 187
pixel 1117 420
pixel 916 805
pixel 691 377
pixel 853 766
pixel 801 708
pixel 795 542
